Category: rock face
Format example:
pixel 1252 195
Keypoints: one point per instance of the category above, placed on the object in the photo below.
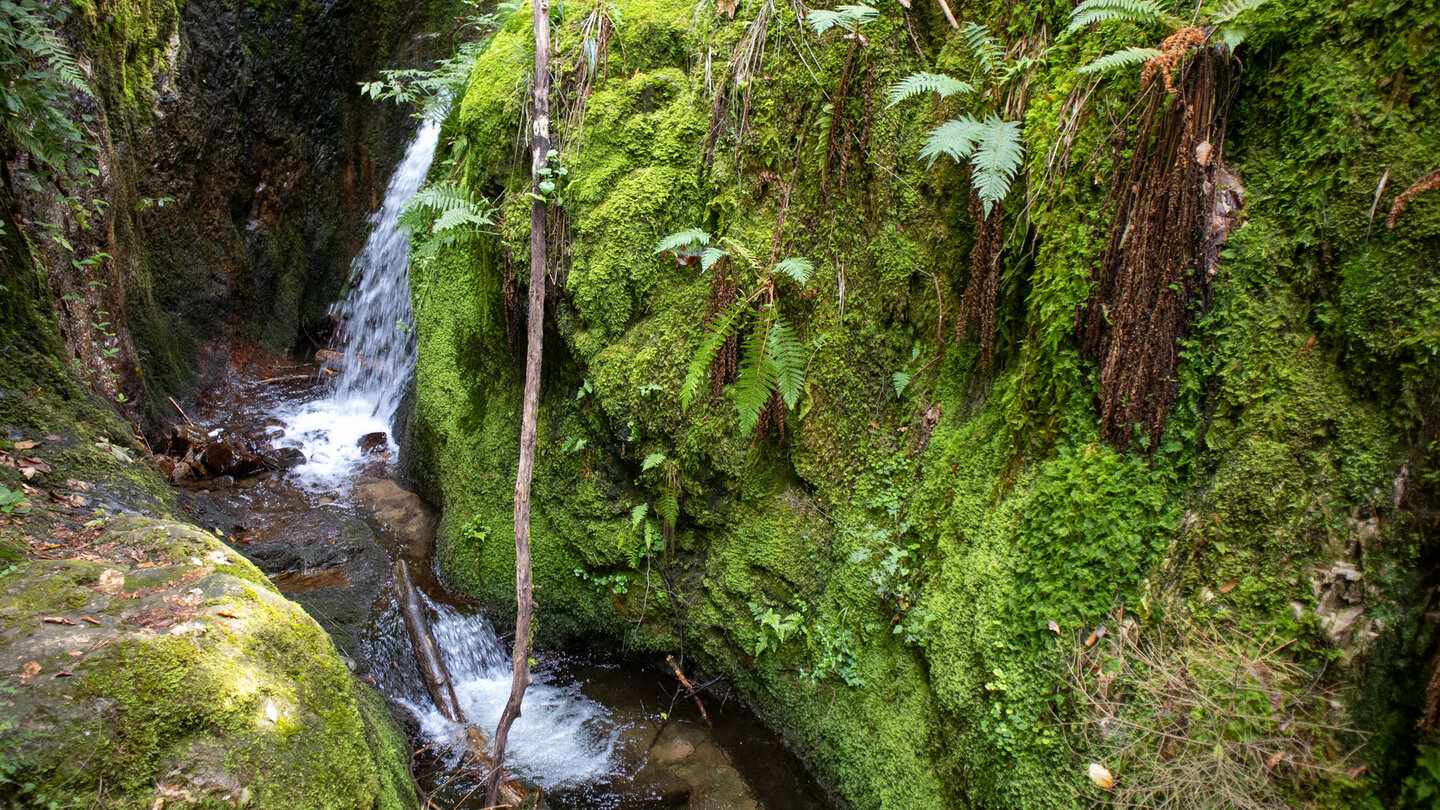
pixel 158 663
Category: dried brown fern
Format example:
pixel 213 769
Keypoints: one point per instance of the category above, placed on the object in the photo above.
pixel 977 304
pixel 1429 182
pixel 1154 269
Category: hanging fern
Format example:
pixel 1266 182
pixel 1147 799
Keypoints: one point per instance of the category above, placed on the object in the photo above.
pixel 918 84
pixel 996 160
pixel 988 51
pixel 725 324
pixel 691 238
pixel 773 362
pixel 1119 59
pixel 956 138
pixel 442 216
pixel 846 18
pixel 1140 12
pixel 796 269
pixel 710 256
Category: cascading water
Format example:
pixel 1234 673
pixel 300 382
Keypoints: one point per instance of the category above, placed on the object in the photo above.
pixel 375 333
pixel 562 738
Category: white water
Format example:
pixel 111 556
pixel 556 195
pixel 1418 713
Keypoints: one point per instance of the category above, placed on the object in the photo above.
pixel 562 739
pixel 375 333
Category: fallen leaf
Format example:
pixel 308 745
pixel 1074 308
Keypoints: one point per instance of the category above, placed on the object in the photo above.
pixel 272 711
pixel 1095 636
pixel 54 437
pixel 90 620
pixel 64 673
pixel 26 445
pixel 146 565
pixel 30 670
pixel 1273 760
pixel 58 620
pixel 1229 585
pixel 1101 776
pixel 75 484
pixel 1356 771
pixel 72 500
pixel 29 466
pixel 1053 627
pixel 227 614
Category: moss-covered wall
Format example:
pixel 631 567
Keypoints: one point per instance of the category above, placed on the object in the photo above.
pixel 881 580
pixel 237 165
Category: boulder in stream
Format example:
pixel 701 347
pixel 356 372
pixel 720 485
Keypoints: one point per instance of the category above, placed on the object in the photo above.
pixel 377 442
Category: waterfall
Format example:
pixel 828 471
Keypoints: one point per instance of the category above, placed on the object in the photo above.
pixel 375 333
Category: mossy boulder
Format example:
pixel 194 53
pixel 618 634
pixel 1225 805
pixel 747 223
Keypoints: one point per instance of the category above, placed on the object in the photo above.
pixel 156 663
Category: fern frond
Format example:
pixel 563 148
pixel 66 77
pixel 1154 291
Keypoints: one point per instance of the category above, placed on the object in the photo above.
pixel 458 217
pixel 796 269
pixel 847 18
pixel 788 358
pixel 722 326
pixel 956 138
pixel 638 514
pixel 710 256
pixel 989 53
pixel 758 377
pixel 1235 9
pixel 682 239
pixel 900 380
pixel 917 84
pixel 739 250
pixel 1140 12
pixel 652 461
pixel 1119 59
pixel 996 160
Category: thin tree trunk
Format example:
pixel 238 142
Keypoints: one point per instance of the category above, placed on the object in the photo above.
pixel 524 596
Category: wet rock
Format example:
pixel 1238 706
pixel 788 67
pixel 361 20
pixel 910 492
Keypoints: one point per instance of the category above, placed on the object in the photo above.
pixel 412 522
pixel 377 442
pixel 185 436
pixel 283 458
pixel 226 459
pixel 222 482
pixel 311 580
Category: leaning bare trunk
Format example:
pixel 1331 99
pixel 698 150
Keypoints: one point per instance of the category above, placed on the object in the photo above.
pixel 427 652
pixel 524 598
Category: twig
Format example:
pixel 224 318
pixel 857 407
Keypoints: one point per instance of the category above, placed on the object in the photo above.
pixel 685 682
pixel 181 410
pixel 951 17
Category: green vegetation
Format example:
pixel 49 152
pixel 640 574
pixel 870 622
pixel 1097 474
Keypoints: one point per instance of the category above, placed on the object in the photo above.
pixel 900 570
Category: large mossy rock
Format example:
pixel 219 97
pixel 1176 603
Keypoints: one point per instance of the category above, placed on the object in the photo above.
pixel 152 662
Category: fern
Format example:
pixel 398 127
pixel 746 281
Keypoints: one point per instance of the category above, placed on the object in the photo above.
pixel 652 461
pixel 1235 9
pixel 996 160
pixel 710 256
pixel 789 360
pixel 1119 59
pixel 638 514
pixel 846 18
pixel 1140 12
pixel 796 269
pixel 900 380
pixel 683 239
pixel 917 84
pixel 956 138
pixel 39 78
pixel 443 216
pixel 722 327
pixel 988 51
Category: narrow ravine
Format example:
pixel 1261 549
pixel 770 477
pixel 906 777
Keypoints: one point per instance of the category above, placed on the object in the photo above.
pixel 328 531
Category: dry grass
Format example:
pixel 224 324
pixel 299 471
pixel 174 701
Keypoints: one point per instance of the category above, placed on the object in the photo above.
pixel 1217 720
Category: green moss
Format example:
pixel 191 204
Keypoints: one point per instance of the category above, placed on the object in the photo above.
pixel 988 485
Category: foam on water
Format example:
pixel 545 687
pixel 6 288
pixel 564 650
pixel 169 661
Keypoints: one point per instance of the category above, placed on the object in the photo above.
pixel 375 333
pixel 562 739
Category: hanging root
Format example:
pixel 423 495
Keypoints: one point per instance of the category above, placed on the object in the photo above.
pixel 772 418
pixel 1158 263
pixel 977 304
pixel 726 364
pixel 514 313
pixel 1429 182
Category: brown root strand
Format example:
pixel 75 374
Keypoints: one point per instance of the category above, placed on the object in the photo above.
pixel 1429 182
pixel 977 304
pixel 723 292
pixel 772 418
pixel 1152 273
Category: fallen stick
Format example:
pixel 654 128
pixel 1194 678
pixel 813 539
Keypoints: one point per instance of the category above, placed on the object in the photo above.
pixel 427 653
pixel 685 682
pixel 181 410
pixel 437 677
